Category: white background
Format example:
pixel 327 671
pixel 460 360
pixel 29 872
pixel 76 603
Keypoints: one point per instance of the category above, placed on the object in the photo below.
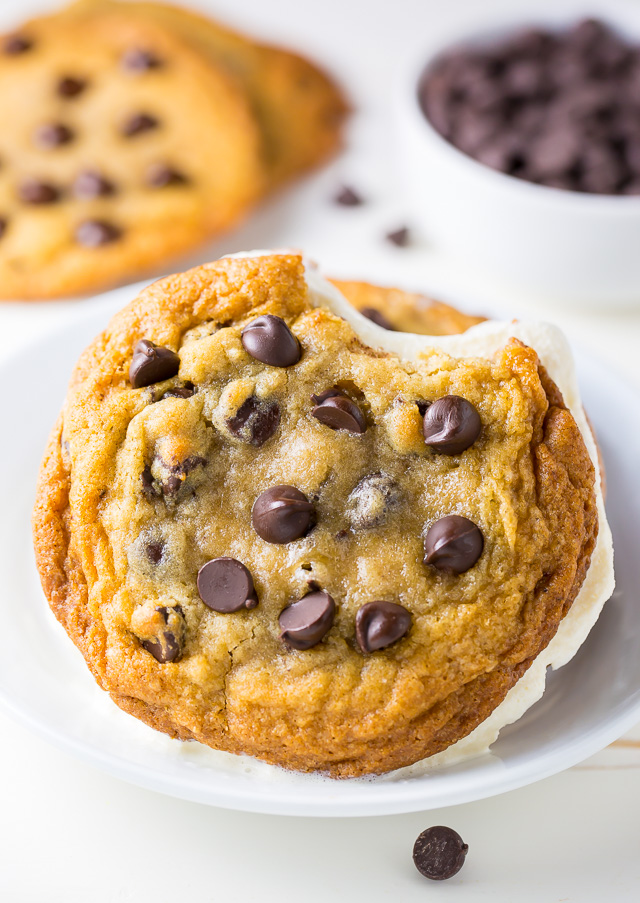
pixel 69 833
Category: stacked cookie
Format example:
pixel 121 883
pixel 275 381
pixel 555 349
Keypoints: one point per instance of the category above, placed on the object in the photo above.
pixel 401 311
pixel 136 132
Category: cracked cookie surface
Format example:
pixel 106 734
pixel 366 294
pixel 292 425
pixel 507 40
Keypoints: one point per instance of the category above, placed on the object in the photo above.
pixel 142 487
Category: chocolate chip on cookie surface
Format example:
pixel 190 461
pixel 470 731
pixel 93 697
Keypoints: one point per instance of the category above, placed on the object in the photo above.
pixel 71 87
pixel 453 544
pixel 451 424
pixel 33 191
pixel 306 622
pixel 90 184
pixel 326 599
pixel 152 363
pixel 94 233
pixel 282 514
pixel 380 624
pixel 268 339
pixel 339 412
pixel 225 585
pixel 16 45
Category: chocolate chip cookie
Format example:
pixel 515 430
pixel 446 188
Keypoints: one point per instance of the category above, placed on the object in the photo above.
pixel 123 147
pixel 395 309
pixel 138 131
pixel 267 536
pixel 299 109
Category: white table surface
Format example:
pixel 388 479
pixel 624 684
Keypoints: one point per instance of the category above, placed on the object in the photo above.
pixel 70 833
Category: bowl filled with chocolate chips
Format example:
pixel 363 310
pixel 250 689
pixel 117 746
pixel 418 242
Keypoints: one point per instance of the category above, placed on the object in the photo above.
pixel 522 144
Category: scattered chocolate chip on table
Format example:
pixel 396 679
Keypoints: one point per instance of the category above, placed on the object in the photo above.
pixel 348 197
pixel 439 853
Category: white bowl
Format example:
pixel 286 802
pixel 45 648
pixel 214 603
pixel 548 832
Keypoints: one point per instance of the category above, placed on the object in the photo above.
pixel 581 248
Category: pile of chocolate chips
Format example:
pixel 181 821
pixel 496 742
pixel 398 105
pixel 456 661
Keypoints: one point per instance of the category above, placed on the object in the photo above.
pixel 557 108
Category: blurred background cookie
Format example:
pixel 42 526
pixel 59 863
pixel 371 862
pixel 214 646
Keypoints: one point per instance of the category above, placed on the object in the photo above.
pixel 403 311
pixel 129 143
pixel 298 107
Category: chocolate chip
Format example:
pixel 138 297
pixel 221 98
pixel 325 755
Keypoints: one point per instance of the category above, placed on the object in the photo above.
pixel 586 34
pixel 555 152
pixel 335 410
pixel 371 501
pixel 154 552
pixel 159 175
pixel 379 624
pixel 172 484
pixel 90 184
pixel 16 44
pixel 152 363
pixel 255 421
pixel 93 233
pixel 136 59
pixel 439 853
pixel 304 623
pixel 347 197
pixel 225 585
pixel 4 222
pixel 524 79
pixel 334 392
pixel 451 425
pixel 150 487
pixel 534 43
pixel 178 473
pixel 138 124
pixel 52 135
pixel 191 463
pixel 453 544
pixel 167 647
pixel 602 172
pixel 400 237
pixel 377 317
pixel 70 87
pixel 32 191
pixel 282 514
pixel 185 391
pixel 268 339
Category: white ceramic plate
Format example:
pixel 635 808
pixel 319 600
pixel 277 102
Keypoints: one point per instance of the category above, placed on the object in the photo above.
pixel 46 685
